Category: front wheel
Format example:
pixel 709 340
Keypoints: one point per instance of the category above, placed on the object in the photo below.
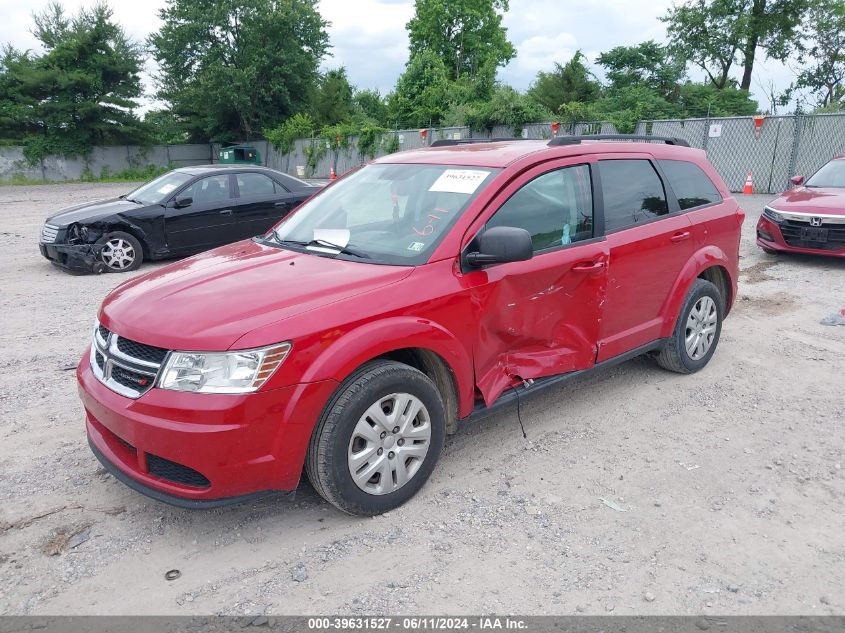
pixel 120 252
pixel 697 330
pixel 378 440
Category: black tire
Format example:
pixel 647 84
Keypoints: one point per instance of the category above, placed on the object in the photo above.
pixel 327 462
pixel 674 355
pixel 769 251
pixel 116 236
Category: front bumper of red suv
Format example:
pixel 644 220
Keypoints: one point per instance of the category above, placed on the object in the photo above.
pixel 771 236
pixel 198 450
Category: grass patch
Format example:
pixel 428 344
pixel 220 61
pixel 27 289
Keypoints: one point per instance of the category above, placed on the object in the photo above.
pixel 127 175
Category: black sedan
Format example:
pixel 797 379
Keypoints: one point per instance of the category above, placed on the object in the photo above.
pixel 185 211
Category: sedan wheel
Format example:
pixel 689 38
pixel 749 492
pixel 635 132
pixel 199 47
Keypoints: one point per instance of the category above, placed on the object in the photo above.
pixel 120 252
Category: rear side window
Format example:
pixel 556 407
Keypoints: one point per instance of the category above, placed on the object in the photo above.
pixel 689 182
pixel 251 184
pixel 633 193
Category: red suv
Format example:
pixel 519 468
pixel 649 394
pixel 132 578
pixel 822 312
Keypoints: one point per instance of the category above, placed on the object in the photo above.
pixel 417 292
pixel 809 218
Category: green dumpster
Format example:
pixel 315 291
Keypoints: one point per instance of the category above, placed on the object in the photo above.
pixel 239 154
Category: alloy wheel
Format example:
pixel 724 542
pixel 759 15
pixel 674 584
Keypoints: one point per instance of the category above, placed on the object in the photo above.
pixel 118 254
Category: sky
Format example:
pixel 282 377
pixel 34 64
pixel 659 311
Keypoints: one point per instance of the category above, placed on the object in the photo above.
pixel 368 37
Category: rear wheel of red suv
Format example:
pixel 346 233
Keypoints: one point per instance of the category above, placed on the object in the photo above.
pixel 697 330
pixel 378 439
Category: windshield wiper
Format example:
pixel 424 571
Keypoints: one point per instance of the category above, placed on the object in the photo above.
pixel 325 243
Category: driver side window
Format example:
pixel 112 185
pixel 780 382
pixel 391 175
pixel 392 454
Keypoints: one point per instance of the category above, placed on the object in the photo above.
pixel 556 208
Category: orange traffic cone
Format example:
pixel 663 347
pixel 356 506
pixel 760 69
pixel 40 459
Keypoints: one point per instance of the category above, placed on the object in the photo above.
pixel 332 175
pixel 749 185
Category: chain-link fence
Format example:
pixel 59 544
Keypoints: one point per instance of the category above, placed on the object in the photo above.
pixel 315 158
pixel 772 148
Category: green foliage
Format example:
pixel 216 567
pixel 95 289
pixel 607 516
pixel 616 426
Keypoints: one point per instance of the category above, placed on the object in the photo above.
pixel 230 70
pixel 570 82
pixel 282 137
pixel 370 140
pixel 646 64
pixel 332 101
pixel 164 128
pixel 391 144
pixel 336 136
pixel 716 34
pixel 823 62
pixel 466 35
pixel 127 175
pixel 701 100
pixel 81 92
pixel 369 106
pixel 421 97
pixel 506 107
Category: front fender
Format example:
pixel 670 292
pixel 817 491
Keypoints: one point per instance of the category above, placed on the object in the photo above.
pixel 700 261
pixel 368 341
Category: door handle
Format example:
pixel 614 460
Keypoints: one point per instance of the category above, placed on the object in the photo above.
pixel 281 204
pixel 588 267
pixel 680 236
pixel 226 212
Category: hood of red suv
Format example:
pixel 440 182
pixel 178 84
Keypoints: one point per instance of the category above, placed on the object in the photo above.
pixel 209 301
pixel 830 201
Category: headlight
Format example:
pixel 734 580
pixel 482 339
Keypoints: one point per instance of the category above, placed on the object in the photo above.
pixel 773 215
pixel 222 372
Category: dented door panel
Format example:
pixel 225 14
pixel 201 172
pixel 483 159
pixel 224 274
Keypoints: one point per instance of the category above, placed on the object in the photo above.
pixel 537 318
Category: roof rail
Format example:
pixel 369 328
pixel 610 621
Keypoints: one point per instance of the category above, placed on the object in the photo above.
pixel 575 140
pixel 445 142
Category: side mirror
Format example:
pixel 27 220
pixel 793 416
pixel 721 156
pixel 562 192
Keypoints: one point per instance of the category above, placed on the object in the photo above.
pixel 184 201
pixel 797 180
pixel 501 244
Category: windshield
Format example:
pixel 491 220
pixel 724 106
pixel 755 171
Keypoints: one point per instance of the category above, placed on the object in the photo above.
pixel 391 214
pixel 158 190
pixel 831 175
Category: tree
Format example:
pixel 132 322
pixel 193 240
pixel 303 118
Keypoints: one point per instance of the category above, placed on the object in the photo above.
pixel 370 106
pixel 701 100
pixel 165 128
pixel 230 69
pixel 570 82
pixel 81 92
pixel 466 34
pixel 506 107
pixel 714 33
pixel 421 97
pixel 332 101
pixel 823 64
pixel 646 64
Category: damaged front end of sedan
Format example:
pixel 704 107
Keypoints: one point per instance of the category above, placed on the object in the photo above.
pixel 79 251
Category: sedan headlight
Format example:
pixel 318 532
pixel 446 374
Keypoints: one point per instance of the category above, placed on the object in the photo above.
pixel 243 371
pixel 773 215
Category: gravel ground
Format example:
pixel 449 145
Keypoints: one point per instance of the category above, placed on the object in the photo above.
pixel 637 491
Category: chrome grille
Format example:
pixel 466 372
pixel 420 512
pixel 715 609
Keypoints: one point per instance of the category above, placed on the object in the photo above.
pixel 124 366
pixel 48 233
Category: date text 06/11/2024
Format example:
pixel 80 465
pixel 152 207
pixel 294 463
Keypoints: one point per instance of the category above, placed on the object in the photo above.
pixel 429 623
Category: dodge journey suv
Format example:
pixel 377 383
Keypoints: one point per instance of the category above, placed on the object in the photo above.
pixel 415 293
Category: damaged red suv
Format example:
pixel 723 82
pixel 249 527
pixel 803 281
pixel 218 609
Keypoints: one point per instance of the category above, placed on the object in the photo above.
pixel 422 290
